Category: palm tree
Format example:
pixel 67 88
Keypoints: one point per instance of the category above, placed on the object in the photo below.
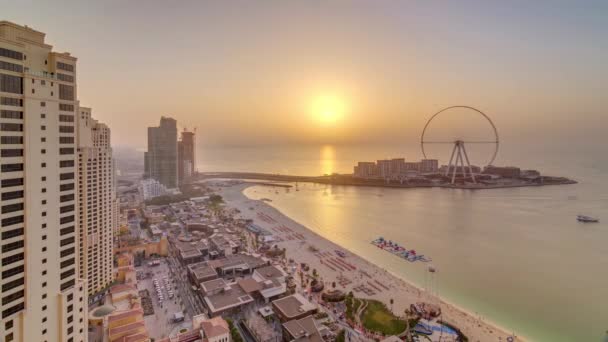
pixel 408 315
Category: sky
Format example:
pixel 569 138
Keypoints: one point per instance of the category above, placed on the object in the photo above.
pixel 248 73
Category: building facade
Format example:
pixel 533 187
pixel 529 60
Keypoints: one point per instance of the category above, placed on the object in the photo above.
pixel 186 162
pixel 160 161
pixel 43 297
pixel 96 202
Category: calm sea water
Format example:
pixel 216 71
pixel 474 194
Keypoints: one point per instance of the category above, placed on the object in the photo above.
pixel 515 256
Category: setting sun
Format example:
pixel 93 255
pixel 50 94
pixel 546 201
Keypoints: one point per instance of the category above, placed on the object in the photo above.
pixel 328 109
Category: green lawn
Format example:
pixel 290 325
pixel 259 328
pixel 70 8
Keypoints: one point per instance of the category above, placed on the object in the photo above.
pixel 377 317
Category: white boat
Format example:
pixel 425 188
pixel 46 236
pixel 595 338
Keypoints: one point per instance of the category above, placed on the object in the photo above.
pixel 583 218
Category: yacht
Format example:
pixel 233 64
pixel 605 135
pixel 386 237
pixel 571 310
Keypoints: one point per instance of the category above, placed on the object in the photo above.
pixel 583 218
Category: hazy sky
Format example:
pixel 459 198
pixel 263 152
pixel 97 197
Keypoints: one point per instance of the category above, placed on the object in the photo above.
pixel 252 72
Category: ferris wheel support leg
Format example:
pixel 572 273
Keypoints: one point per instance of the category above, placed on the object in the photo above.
pixel 469 164
pixel 458 158
pixel 447 171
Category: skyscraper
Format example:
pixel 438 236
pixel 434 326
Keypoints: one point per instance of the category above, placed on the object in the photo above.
pixel 186 156
pixel 96 202
pixel 160 162
pixel 43 297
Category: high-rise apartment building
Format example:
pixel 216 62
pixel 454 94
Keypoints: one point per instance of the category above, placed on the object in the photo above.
pixel 43 297
pixel 160 162
pixel 186 156
pixel 96 202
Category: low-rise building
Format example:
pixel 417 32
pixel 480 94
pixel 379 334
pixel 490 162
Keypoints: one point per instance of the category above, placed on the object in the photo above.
pixel 293 307
pixel 201 272
pixel 304 329
pixel 229 298
pixel 503 171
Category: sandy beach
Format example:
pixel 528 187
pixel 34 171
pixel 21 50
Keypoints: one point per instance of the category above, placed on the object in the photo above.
pixel 352 273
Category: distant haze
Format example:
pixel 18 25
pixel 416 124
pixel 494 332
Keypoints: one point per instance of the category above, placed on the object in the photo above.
pixel 247 73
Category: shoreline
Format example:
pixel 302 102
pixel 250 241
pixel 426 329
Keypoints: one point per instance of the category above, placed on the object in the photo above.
pixel 404 291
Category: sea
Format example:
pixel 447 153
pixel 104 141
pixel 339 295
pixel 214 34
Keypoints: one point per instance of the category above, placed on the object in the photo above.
pixel 514 256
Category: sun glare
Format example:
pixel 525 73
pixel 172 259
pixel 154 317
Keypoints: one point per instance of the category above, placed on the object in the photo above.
pixel 328 110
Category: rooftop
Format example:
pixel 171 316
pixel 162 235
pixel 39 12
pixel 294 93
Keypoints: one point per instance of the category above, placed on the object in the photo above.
pixel 202 270
pixel 293 306
pixel 212 285
pixel 303 329
pixel 230 297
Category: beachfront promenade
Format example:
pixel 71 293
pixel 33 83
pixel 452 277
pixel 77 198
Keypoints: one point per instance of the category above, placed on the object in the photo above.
pixel 351 273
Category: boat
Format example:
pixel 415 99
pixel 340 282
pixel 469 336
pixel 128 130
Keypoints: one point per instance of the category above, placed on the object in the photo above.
pixel 586 219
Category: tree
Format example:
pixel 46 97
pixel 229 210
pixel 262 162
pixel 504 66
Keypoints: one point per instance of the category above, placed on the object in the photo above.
pixel 314 272
pixel 333 284
pixel 392 301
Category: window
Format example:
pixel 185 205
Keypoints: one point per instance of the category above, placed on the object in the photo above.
pixel 12 182
pixel 12 195
pixel 65 198
pixel 10 337
pixel 68 175
pixel 43 116
pixel 43 128
pixel 43 202
pixel 9 221
pixel 9 208
pixel 13 152
pixel 67 285
pixel 67 263
pixel 43 139
pixel 44 296
pixel 43 165
pixel 66 107
pixel 65 187
pixel 12 246
pixel 44 284
pixel 13 258
pixel 65 78
pixel 43 190
pixel 66 252
pixel 12 167
pixel 66 129
pixel 66 209
pixel 66 219
pixel 11 84
pixel 66 230
pixel 66 241
pixel 65 66
pixel 43 178
pixel 11 66
pixel 43 151
pixel 11 272
pixel 44 309
pixel 11 114
pixel 9 101
pixel 42 104
pixel 11 54
pixel 68 273
pixel 12 310
pixel 12 297
pixel 11 127
pixel 8 325
pixel 66 163
pixel 66 118
pixel 43 319
pixel 12 140
pixel 66 92
pixel 66 140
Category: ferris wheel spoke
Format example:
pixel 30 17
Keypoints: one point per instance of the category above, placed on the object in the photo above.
pixel 437 142
pixel 480 142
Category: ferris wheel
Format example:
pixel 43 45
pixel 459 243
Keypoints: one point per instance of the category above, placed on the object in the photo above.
pixel 459 157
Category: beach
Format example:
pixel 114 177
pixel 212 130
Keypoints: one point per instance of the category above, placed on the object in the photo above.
pixel 352 273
